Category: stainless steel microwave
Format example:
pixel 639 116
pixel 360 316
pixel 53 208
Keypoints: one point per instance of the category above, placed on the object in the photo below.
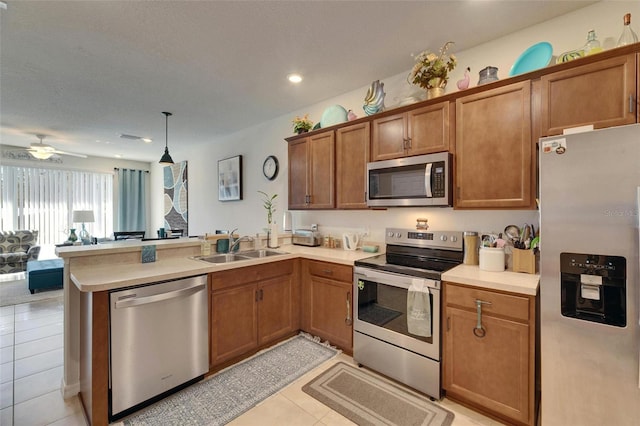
pixel 423 180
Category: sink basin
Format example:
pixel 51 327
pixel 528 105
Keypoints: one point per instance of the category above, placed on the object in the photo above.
pixel 261 253
pixel 222 258
pixel 243 255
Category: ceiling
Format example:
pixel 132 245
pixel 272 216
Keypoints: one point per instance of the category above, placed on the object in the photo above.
pixel 83 72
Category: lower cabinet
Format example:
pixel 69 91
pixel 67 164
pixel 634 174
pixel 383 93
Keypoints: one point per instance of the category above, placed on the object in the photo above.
pixel 251 307
pixel 489 351
pixel 326 302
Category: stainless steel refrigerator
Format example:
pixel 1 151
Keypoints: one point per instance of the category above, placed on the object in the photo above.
pixel 589 283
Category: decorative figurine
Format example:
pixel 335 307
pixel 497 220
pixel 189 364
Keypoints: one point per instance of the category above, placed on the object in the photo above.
pixel 464 82
pixel 374 101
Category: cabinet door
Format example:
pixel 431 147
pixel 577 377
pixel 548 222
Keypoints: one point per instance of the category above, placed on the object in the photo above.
pixel 428 129
pixel 602 93
pixel 275 308
pixel 352 155
pixel 298 168
pixel 330 311
pixel 234 322
pixel 389 137
pixel 494 150
pixel 492 371
pixel 322 170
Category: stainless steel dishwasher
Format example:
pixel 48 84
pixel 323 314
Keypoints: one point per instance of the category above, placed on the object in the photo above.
pixel 158 341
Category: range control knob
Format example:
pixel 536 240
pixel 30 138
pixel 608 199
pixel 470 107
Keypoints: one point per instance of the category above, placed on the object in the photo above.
pixel 390 234
pixel 443 238
pixel 398 234
pixel 453 238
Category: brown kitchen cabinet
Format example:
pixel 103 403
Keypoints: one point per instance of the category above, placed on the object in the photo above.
pixel 311 172
pixel 601 93
pixel 419 131
pixel 352 156
pixel 326 302
pixel 494 373
pixel 251 307
pixel 494 164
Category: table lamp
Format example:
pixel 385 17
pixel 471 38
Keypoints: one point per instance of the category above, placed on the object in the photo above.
pixel 84 216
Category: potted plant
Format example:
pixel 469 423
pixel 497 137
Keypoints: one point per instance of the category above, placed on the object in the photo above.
pixel 431 71
pixel 272 232
pixel 301 125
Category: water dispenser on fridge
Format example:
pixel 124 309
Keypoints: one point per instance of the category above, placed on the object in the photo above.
pixel 593 288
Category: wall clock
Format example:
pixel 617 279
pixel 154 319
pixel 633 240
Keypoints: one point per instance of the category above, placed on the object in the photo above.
pixel 270 167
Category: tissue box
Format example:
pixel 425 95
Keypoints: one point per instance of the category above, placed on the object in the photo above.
pixel 524 261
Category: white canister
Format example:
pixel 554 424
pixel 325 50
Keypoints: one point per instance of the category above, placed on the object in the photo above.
pixel 492 259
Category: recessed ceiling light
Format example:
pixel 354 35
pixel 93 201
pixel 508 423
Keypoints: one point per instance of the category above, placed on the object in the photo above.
pixel 147 140
pixel 118 155
pixel 294 78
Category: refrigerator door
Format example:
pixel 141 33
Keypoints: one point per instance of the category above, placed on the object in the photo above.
pixel 588 204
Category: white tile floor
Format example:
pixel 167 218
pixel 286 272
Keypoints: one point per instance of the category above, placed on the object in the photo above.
pixel 31 371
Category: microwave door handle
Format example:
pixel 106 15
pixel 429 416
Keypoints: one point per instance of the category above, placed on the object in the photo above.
pixel 427 180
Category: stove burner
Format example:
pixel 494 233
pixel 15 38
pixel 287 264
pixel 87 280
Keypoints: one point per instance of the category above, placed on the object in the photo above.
pixel 416 259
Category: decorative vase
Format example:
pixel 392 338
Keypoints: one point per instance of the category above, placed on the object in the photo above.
pixel 272 236
pixel 299 131
pixel 72 236
pixel 437 87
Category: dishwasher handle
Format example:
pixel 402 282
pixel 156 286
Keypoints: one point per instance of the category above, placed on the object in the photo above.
pixel 137 301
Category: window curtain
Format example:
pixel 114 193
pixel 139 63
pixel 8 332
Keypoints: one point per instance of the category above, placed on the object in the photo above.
pixel 132 197
pixel 44 199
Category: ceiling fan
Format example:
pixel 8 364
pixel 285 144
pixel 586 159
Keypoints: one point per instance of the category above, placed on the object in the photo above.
pixel 42 151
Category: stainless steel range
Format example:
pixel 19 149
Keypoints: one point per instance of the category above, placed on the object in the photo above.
pixel 397 300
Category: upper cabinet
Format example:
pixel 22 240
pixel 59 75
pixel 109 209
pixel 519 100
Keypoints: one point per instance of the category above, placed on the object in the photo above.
pixel 494 152
pixel 311 172
pixel 420 131
pixel 601 93
pixel 352 156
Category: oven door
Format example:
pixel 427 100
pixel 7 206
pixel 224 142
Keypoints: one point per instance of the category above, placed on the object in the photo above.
pixel 380 302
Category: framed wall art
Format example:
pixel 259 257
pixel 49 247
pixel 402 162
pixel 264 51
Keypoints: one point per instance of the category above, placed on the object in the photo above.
pixel 230 179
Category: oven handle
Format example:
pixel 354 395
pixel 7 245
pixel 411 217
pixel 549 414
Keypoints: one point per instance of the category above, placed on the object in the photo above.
pixel 402 281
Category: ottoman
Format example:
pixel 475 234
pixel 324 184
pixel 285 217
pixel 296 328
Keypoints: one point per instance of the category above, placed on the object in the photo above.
pixel 44 274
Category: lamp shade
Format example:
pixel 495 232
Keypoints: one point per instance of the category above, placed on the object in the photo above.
pixel 166 158
pixel 83 216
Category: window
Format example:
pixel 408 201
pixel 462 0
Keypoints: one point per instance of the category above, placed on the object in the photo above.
pixel 43 199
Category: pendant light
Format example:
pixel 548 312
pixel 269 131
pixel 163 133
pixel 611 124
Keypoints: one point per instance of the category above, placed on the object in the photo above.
pixel 166 158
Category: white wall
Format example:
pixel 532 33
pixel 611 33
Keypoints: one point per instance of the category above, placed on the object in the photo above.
pixel 206 213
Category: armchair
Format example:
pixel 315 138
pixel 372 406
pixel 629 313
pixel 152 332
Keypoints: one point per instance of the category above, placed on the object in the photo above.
pixel 16 249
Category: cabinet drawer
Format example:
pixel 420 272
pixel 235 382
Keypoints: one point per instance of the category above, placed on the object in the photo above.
pixel 505 305
pixel 249 274
pixel 332 271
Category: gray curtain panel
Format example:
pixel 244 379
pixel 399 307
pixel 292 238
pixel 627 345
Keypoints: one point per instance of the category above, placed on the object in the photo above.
pixel 132 208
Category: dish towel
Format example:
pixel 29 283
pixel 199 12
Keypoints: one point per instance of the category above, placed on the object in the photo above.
pixel 419 309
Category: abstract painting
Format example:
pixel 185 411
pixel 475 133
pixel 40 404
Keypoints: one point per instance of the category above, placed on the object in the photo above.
pixel 230 179
pixel 175 197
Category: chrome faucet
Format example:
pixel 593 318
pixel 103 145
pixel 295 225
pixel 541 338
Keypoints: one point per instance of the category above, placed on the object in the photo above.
pixel 236 242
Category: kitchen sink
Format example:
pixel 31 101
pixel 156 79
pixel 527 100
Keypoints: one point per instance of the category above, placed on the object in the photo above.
pixel 261 253
pixel 222 258
pixel 234 257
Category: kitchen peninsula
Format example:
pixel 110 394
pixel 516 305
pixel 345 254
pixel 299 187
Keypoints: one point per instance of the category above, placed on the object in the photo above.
pixel 90 272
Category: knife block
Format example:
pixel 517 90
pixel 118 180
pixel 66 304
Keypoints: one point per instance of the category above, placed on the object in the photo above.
pixel 523 261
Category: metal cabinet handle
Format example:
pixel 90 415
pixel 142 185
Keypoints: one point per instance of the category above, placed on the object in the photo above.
pixel 479 330
pixel 631 103
pixel 348 319
pixel 327 271
pixel 408 143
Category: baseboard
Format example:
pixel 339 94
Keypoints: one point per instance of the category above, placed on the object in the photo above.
pixel 69 390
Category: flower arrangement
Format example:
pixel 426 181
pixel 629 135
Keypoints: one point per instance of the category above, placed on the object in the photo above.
pixel 302 124
pixel 432 70
pixel 269 205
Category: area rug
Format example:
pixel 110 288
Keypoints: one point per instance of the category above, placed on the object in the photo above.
pixel 366 399
pixel 16 291
pixel 231 392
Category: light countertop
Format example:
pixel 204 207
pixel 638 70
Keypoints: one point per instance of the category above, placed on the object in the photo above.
pixel 515 282
pixel 107 276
